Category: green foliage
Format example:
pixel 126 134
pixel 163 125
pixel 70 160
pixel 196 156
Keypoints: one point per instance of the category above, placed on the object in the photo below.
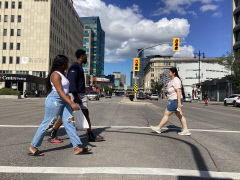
pixel 157 88
pixel 232 62
pixel 236 81
pixel 107 90
pixel 9 91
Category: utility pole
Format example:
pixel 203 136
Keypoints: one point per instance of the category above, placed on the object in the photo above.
pixel 199 54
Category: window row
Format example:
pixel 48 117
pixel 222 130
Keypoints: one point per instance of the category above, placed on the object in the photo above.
pixel 13 4
pixel 4 60
pixel 18 46
pixel 12 32
pixel 19 18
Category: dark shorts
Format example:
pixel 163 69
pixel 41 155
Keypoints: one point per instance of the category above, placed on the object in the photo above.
pixel 173 105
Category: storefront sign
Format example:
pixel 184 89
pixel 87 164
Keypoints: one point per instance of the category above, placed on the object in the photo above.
pixel 12 78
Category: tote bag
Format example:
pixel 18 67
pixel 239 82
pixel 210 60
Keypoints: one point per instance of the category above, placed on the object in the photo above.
pixel 81 122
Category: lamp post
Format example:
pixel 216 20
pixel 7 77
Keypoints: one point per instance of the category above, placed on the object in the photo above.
pixel 199 55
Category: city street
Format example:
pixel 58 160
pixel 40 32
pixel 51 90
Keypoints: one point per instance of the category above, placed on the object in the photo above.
pixel 131 150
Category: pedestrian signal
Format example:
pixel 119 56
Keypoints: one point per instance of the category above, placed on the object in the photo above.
pixel 176 44
pixel 136 64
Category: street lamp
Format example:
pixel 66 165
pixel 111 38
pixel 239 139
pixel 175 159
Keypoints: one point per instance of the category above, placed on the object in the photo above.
pixel 199 55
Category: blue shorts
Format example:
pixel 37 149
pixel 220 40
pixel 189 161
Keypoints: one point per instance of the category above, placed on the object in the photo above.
pixel 173 105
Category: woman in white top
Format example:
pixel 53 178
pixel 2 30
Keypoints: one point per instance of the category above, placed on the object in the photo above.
pixel 175 94
pixel 58 104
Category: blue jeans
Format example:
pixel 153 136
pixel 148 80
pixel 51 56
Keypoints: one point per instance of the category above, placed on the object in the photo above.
pixel 55 106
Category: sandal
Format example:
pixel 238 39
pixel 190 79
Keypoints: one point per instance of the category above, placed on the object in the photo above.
pixel 36 153
pixel 55 140
pixel 85 150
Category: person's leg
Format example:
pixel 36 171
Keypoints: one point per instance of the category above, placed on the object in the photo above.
pixel 182 120
pixel 52 110
pixel 86 114
pixel 185 131
pixel 164 119
pixel 56 127
pixel 68 122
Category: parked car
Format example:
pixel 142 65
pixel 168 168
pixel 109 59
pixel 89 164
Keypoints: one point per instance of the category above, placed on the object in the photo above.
pixel 108 96
pixel 231 100
pixel 141 96
pixel 154 97
pixel 238 101
pixel 188 99
pixel 93 95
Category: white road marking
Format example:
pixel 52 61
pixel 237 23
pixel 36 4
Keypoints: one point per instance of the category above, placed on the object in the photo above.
pixel 130 127
pixel 119 171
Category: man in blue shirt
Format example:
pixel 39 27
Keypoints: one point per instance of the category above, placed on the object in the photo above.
pixel 77 91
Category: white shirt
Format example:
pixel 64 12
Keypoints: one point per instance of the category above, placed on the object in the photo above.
pixel 64 81
pixel 172 88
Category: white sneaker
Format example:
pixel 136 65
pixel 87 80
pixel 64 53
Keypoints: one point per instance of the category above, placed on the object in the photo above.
pixel 156 129
pixel 185 133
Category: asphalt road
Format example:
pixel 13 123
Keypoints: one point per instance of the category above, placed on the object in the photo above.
pixel 131 150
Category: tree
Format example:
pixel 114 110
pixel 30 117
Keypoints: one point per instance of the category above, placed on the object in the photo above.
pixel 107 89
pixel 232 62
pixel 157 88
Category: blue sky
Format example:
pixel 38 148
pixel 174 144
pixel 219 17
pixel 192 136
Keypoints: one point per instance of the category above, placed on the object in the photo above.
pixel 206 25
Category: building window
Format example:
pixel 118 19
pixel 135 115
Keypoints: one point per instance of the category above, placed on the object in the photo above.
pixel 19 32
pixel 0 17
pixel 18 46
pixel 11 46
pixel 19 18
pixel 10 60
pixel 5 18
pixel 6 4
pixel 4 60
pixel 5 32
pixel 12 32
pixel 0 4
pixel 13 5
pixel 4 46
pixel 12 18
pixel 20 5
pixel 17 60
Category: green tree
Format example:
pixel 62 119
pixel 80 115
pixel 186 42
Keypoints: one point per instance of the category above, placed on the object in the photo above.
pixel 107 89
pixel 232 62
pixel 157 88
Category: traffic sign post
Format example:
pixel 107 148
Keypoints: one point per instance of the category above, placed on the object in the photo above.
pixel 136 68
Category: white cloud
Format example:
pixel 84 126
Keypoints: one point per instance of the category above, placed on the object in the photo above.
pixel 127 30
pixel 217 14
pixel 180 6
pixel 208 7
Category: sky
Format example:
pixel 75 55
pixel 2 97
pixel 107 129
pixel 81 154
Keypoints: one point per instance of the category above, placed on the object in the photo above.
pixel 204 25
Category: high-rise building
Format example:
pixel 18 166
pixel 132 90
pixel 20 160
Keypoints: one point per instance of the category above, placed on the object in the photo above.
pixel 33 32
pixel 119 79
pixel 236 25
pixel 94 44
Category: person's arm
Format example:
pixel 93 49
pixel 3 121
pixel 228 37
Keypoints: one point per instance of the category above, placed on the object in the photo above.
pixel 72 77
pixel 177 86
pixel 56 80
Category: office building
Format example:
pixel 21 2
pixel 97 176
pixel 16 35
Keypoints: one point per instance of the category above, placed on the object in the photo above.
pixel 32 33
pixel 94 45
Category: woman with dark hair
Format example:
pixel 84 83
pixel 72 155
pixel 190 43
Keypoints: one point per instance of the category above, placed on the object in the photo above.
pixel 175 94
pixel 58 104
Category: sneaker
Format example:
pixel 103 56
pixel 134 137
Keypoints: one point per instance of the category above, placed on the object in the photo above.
pixel 93 138
pixel 184 133
pixel 156 129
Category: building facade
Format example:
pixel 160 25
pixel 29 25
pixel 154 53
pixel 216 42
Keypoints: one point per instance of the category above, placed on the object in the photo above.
pixel 157 68
pixel 33 32
pixel 94 45
pixel 236 25
pixel 119 79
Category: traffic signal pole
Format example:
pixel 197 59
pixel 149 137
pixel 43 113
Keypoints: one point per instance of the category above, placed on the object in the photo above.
pixel 141 50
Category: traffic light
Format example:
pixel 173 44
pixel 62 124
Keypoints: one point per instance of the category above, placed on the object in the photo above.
pixel 136 64
pixel 176 43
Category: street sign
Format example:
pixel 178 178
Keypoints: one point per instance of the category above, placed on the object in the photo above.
pixel 176 44
pixel 135 88
pixel 136 64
